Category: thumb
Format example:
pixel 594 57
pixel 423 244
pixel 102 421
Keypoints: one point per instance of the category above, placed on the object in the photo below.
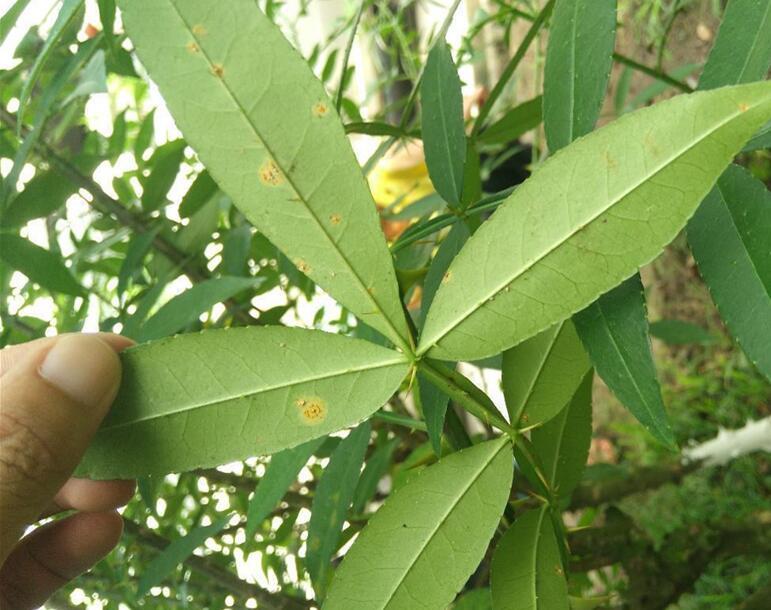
pixel 51 403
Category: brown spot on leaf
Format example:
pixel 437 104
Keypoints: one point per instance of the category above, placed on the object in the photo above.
pixel 302 265
pixel 217 70
pixel 320 109
pixel 335 219
pixel 270 173
pixel 744 107
pixel 198 29
pixel 312 410
pixel 446 277
pixel 192 47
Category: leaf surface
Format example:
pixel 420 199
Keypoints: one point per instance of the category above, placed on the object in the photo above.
pixel 422 545
pixel 614 330
pixel 444 137
pixel 578 60
pixel 280 473
pixel 587 219
pixel 526 571
pixel 742 50
pixel 729 238
pixel 331 501
pixel 263 125
pixel 204 399
pixel 680 332
pixel 38 264
pixel 541 374
pixel 516 122
pixel 562 444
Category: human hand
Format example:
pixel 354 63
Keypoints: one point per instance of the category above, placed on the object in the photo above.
pixel 54 393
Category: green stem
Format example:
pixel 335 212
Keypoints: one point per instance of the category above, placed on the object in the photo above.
pixel 400 420
pixel 347 56
pixel 510 68
pixel 465 394
pixel 657 74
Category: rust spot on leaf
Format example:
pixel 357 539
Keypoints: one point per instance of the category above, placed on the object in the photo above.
pixel 312 410
pixel 192 47
pixel 446 277
pixel 744 107
pixel 198 29
pixel 320 109
pixel 610 162
pixel 270 174
pixel 217 70
pixel 335 219
pixel 302 265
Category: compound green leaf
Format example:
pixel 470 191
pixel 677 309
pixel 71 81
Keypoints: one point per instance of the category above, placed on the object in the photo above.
pixel 266 130
pixel 204 399
pixel 331 501
pixel 742 50
pixel 185 308
pixel 280 473
pixel 562 444
pixel 420 548
pixel 38 264
pixel 729 240
pixel 578 61
pixel 444 137
pixel 614 330
pixel 541 374
pixel 587 219
pixel 526 572
pixel 180 549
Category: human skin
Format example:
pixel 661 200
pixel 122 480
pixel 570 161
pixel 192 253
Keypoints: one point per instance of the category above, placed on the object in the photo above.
pixel 54 393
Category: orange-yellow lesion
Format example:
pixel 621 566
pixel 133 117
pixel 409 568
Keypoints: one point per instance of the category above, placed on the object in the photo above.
pixel 218 70
pixel 335 219
pixel 198 29
pixel 320 109
pixel 446 277
pixel 610 162
pixel 192 47
pixel 302 266
pixel 313 410
pixel 270 173
pixel 744 107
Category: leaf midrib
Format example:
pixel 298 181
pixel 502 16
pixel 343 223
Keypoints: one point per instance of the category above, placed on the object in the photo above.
pixel 239 395
pixel 538 374
pixel 442 520
pixel 559 243
pixel 397 337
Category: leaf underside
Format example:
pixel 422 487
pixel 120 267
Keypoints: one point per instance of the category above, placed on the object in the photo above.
pixel 205 399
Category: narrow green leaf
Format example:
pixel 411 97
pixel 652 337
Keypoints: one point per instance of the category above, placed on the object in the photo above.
pixel 729 240
pixel 186 308
pixel 516 122
pixel 680 332
pixel 92 79
pixel 205 399
pixel 444 137
pixel 657 87
pixel 144 136
pixel 137 250
pixel 374 128
pixel 38 264
pixel 761 140
pixel 433 403
pixel 67 13
pixel 377 466
pixel 578 61
pixel 614 330
pixel 280 473
pixel 202 189
pixel 431 534
pixel 476 599
pixel 447 251
pixel 9 18
pixel 180 549
pixel 562 444
pixel 526 571
pixel 541 374
pixel 285 161
pixel 587 219
pixel 236 246
pixel 333 496
pixel 165 167
pixel 44 194
pixel 742 50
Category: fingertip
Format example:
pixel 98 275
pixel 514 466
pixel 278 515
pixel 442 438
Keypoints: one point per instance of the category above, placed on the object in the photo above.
pixel 94 496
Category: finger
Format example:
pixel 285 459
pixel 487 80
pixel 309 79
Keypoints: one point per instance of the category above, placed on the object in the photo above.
pixel 90 496
pixel 54 554
pixel 13 353
pixel 51 404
